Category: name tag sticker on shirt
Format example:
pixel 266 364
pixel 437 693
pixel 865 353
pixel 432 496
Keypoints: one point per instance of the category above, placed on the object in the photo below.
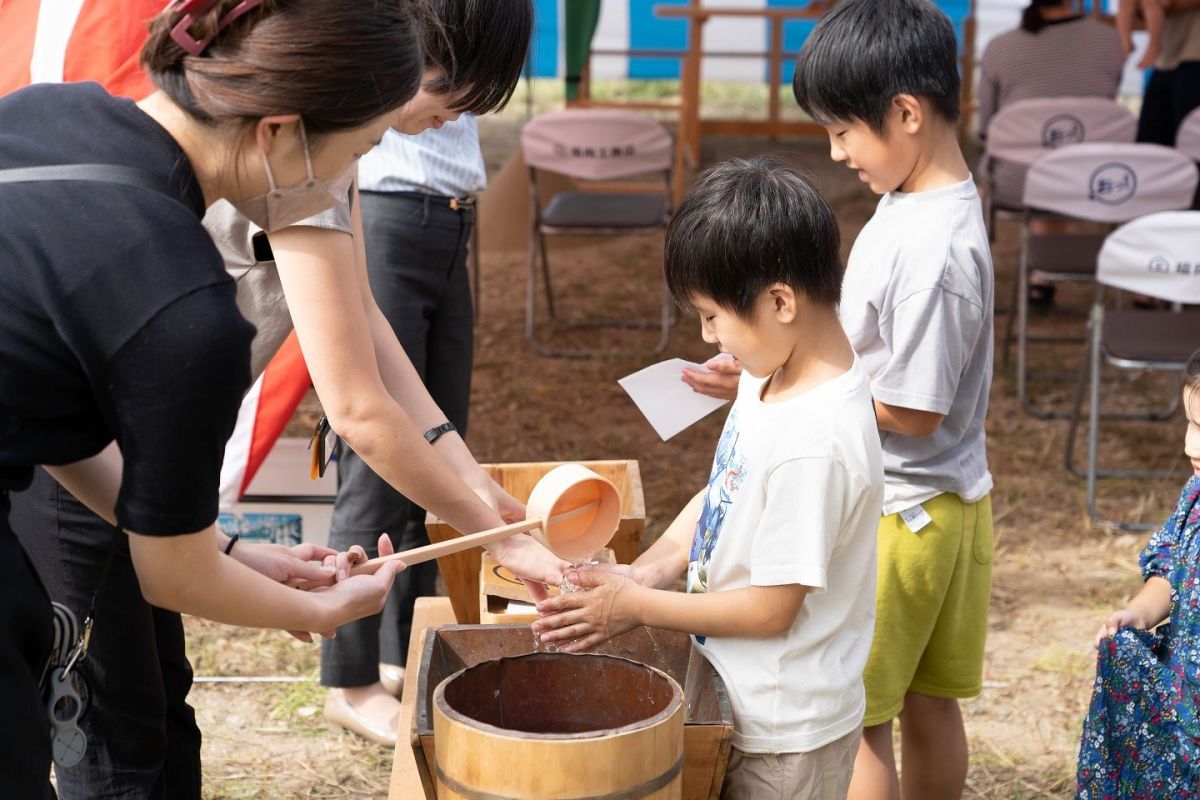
pixel 916 518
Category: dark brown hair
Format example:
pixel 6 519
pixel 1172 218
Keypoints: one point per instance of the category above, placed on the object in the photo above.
pixel 480 45
pixel 1032 19
pixel 337 63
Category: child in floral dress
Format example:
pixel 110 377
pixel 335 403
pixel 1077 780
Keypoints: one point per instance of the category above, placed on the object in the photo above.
pixel 1141 738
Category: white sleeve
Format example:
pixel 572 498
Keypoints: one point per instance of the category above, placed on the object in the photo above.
pixel 807 501
pixel 930 336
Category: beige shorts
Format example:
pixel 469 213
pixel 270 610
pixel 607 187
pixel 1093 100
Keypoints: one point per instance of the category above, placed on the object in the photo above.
pixel 823 774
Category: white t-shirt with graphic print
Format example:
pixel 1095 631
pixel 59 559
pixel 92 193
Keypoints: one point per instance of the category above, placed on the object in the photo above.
pixel 794 498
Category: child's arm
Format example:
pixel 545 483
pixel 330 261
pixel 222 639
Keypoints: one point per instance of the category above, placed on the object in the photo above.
pixel 667 558
pixel 907 421
pixel 1149 607
pixel 612 605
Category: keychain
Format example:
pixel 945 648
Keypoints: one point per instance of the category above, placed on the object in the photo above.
pixel 64 689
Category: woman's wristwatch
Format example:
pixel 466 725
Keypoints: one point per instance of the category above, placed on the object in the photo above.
pixel 435 433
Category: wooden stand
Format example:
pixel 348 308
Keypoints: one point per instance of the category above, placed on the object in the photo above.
pixel 461 570
pixel 406 783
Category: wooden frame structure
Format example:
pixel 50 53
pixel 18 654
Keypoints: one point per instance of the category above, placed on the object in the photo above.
pixel 691 126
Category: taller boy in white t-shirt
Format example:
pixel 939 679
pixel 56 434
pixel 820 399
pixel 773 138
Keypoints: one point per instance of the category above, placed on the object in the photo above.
pixel 779 549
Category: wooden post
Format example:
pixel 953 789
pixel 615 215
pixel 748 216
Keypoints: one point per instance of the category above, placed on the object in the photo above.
pixel 776 67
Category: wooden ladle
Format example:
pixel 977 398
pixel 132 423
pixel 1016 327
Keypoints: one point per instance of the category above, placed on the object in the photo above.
pixel 571 510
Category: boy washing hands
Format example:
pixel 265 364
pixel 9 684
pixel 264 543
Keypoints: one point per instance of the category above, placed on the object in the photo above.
pixel 779 549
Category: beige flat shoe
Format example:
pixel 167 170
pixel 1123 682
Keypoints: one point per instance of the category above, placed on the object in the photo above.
pixel 341 716
pixel 391 677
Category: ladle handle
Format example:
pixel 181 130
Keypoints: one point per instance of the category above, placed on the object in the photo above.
pixel 429 552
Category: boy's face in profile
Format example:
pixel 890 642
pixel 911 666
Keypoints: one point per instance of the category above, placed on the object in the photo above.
pixel 748 339
pixel 885 159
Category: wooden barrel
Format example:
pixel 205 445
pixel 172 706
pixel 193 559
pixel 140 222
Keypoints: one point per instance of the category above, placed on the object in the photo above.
pixel 554 726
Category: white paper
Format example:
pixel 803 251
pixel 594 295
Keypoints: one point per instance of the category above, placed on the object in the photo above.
pixel 517 607
pixel 670 405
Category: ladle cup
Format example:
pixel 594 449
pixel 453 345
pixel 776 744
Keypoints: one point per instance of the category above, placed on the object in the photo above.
pixel 572 510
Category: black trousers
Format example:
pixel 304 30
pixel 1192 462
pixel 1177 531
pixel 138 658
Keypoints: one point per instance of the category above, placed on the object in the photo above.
pixel 26 636
pixel 143 741
pixel 417 260
pixel 1170 96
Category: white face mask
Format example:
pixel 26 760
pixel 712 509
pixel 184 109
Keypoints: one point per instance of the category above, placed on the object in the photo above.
pixel 281 207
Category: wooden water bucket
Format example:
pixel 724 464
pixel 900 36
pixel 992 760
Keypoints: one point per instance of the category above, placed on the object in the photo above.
pixel 554 726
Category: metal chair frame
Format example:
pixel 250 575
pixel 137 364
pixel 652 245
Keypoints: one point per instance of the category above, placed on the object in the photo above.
pixel 538 231
pixel 1095 356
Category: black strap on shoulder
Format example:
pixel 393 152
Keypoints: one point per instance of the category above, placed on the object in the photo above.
pixel 103 173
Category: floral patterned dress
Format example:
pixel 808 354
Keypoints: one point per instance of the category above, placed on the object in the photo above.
pixel 1141 738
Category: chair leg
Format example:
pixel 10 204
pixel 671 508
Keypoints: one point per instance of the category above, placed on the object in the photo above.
pixel 1094 417
pixel 1010 324
pixel 546 276
pixel 1021 301
pixel 1080 389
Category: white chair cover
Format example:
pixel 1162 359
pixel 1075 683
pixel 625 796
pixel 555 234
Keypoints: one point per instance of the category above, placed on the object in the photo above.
pixel 1187 138
pixel 596 144
pixel 1156 255
pixel 1026 129
pixel 1111 182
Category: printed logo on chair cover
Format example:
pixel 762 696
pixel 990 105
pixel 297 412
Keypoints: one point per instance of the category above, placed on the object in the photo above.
pixel 1113 183
pixel 1160 264
pixel 1023 131
pixel 1063 129
pixel 1110 182
pixel 1170 273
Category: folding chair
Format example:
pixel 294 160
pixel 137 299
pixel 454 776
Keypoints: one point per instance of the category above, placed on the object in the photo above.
pixel 1187 141
pixel 1159 256
pixel 1187 138
pixel 1102 183
pixel 1023 131
pixel 598 145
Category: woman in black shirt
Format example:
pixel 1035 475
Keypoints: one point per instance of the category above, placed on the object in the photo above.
pixel 117 318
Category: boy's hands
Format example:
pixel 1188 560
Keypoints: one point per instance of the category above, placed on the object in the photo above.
pixel 603 607
pixel 721 381
pixel 1125 618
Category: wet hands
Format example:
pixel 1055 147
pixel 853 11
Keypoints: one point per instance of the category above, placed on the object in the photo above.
pixel 604 606
pixel 532 562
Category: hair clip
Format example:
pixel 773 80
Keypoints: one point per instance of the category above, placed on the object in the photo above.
pixel 191 9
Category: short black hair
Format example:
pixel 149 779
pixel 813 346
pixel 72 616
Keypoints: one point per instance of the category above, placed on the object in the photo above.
pixel 864 53
pixel 746 225
pixel 480 45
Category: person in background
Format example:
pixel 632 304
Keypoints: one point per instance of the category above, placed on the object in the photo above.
pixel 1153 14
pixel 1173 88
pixel 417 195
pixel 881 76
pixel 1056 52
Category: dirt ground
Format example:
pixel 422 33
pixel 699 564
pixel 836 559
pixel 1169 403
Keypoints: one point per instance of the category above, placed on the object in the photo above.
pixel 1055 574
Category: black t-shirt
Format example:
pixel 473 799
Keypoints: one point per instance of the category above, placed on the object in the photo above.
pixel 117 318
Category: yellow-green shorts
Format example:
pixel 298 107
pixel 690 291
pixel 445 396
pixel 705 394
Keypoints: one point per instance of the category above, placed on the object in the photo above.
pixel 931 606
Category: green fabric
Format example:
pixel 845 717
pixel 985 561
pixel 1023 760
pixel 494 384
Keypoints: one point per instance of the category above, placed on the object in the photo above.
pixel 581 19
